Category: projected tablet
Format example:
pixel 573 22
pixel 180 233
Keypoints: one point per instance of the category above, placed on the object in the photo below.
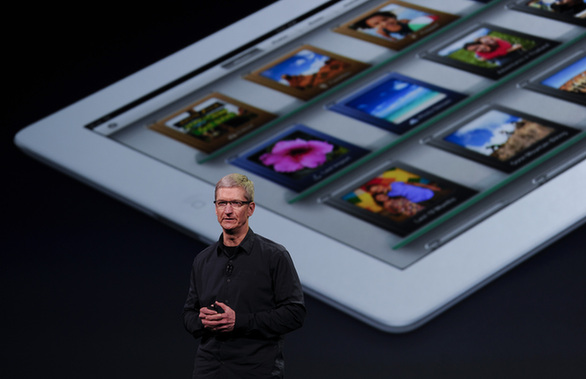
pixel 398 175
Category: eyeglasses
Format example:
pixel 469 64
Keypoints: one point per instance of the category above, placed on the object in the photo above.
pixel 234 203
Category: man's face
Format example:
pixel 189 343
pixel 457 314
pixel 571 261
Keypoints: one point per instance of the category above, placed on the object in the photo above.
pixel 233 219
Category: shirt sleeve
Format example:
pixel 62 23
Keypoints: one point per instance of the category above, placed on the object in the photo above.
pixel 289 311
pixel 191 320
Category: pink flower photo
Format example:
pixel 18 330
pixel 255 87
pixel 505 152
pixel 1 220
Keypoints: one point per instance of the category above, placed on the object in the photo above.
pixel 299 157
pixel 295 155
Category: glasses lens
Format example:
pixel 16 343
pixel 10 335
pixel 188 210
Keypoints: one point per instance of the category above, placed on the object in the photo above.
pixel 235 204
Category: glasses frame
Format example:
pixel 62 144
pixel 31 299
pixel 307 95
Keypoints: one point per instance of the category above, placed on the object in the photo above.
pixel 233 203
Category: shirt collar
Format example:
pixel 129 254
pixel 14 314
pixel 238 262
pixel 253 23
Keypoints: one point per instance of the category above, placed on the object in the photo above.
pixel 245 245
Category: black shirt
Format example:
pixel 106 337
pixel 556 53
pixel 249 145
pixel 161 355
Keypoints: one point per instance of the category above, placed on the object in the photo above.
pixel 260 284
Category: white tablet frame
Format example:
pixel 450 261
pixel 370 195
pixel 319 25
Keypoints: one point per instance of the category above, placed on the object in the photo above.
pixel 385 297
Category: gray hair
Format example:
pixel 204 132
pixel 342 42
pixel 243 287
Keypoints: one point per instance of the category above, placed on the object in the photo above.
pixel 237 180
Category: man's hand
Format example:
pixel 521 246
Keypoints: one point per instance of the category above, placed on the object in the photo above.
pixel 218 322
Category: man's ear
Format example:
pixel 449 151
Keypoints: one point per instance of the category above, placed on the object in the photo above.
pixel 251 208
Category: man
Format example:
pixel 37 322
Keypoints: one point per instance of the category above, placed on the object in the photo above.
pixel 244 294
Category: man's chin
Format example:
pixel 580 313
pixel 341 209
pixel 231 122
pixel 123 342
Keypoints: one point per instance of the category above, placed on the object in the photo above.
pixel 229 226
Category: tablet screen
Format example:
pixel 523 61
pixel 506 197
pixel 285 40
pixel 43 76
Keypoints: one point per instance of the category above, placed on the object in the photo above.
pixel 386 126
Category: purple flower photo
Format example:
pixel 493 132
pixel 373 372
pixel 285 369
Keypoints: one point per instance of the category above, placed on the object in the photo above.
pixel 295 155
pixel 299 157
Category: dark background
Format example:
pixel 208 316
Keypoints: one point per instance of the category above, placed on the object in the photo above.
pixel 94 289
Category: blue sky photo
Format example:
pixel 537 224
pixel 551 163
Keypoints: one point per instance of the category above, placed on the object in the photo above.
pixel 395 99
pixel 559 78
pixel 487 130
pixel 303 62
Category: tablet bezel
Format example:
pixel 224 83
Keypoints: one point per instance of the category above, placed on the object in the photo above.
pixel 388 298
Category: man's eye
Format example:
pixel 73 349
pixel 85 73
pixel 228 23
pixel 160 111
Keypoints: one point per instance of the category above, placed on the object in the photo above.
pixel 235 203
